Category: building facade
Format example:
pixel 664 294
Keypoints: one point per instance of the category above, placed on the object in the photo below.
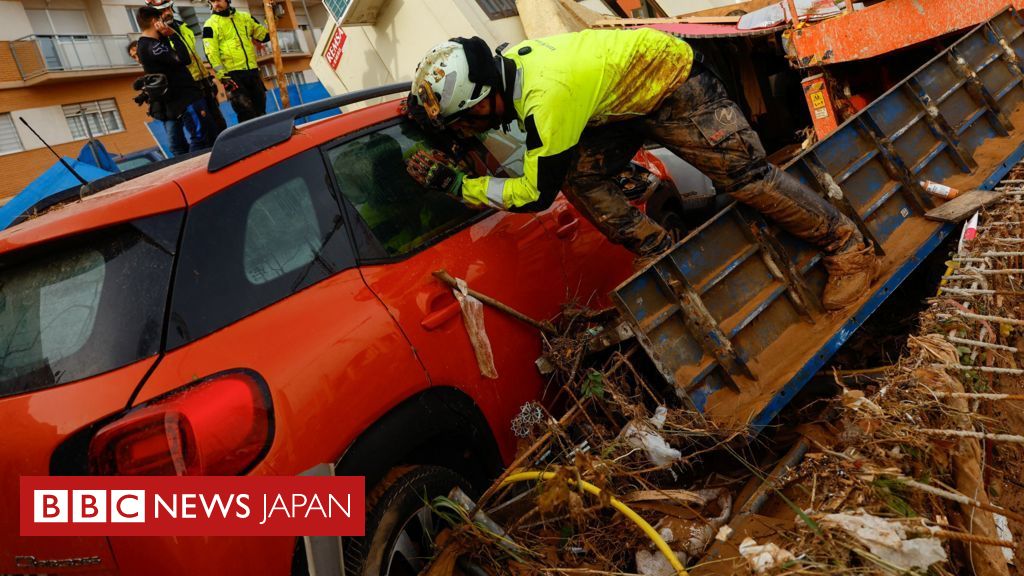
pixel 65 69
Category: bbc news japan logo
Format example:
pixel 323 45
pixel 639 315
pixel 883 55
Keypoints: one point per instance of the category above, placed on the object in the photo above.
pixel 193 506
pixel 52 506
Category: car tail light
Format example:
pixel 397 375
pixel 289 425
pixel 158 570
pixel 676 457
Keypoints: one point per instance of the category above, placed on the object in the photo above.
pixel 220 426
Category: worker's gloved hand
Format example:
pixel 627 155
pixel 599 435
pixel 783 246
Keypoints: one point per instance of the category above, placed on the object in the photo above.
pixel 434 170
pixel 229 85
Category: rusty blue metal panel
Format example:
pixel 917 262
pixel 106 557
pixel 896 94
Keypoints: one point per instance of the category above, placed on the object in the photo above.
pixel 928 127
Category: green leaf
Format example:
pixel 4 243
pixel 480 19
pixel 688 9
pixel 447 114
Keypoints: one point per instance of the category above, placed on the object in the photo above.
pixel 593 385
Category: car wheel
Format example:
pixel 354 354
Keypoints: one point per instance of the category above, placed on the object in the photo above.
pixel 400 525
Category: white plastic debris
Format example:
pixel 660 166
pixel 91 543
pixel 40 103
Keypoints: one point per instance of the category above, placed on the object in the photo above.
pixel 888 540
pixel 856 400
pixel 764 557
pixel 970 232
pixel 654 563
pixel 1003 530
pixel 644 436
pixel 658 420
pixel 724 533
pixel 473 318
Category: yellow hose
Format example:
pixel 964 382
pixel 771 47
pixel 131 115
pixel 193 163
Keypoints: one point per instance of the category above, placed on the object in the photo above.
pixel 951 266
pixel 625 510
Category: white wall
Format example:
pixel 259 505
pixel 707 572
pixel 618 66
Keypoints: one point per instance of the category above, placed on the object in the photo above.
pixel 678 7
pixel 389 50
pixel 117 19
pixel 49 121
pixel 15 22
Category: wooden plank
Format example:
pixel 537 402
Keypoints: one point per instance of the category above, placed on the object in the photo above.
pixel 960 208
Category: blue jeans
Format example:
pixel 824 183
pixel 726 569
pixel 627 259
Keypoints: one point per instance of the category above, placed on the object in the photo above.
pixel 192 121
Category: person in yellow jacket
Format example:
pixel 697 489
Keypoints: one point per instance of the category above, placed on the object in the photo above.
pixel 228 37
pixel 587 102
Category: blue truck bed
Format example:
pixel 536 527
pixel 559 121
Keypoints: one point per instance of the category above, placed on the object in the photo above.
pixel 732 316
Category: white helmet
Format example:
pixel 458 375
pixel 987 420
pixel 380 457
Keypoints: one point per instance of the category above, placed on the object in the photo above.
pixel 442 84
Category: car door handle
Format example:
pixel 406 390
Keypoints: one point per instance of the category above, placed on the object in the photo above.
pixel 435 320
pixel 567 226
pixel 437 313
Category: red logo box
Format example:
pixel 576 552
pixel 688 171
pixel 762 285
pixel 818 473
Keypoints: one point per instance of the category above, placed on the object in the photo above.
pixel 193 505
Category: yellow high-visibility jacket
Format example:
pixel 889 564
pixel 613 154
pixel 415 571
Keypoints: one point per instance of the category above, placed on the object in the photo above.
pixel 228 41
pixel 184 34
pixel 567 82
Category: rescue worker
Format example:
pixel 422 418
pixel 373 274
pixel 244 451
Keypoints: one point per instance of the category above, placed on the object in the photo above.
pixel 587 102
pixel 228 39
pixel 196 66
pixel 182 106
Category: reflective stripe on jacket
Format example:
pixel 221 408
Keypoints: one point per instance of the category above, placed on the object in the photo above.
pixel 570 81
pixel 228 41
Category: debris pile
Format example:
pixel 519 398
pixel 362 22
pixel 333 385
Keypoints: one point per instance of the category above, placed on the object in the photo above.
pixel 914 468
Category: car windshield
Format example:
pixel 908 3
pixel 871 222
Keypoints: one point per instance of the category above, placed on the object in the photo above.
pixel 84 306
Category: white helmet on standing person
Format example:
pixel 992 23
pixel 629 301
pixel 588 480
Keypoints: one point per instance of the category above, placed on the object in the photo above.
pixel 442 83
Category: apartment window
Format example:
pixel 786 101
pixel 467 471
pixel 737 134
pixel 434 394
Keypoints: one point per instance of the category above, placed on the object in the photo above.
pixel 9 140
pixel 93 118
pixel 497 9
pixel 133 21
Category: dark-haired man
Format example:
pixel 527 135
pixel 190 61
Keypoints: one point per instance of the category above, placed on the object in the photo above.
pixel 196 66
pixel 183 105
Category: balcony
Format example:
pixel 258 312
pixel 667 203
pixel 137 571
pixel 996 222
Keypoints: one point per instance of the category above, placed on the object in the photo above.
pixel 292 42
pixel 37 55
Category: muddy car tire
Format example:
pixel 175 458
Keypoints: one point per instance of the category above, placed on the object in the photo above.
pixel 399 525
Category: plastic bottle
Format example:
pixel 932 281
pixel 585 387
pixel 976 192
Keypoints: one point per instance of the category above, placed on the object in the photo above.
pixel 940 190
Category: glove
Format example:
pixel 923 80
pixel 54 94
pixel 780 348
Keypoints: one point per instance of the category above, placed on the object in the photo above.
pixel 229 85
pixel 433 170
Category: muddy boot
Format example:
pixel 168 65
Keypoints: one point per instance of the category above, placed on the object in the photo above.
pixel 654 253
pixel 806 215
pixel 850 275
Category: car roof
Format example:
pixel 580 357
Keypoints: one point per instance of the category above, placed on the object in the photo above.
pixel 186 182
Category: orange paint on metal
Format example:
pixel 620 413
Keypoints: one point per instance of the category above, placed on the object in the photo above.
pixel 885 27
pixel 819 103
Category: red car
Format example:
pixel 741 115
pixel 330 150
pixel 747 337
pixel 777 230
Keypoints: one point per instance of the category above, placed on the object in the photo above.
pixel 272 303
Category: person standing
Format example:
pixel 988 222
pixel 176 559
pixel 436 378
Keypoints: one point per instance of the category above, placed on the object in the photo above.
pixel 228 37
pixel 182 108
pixel 196 66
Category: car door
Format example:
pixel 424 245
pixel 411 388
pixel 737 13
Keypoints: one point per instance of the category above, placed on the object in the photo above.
pixel 405 233
pixel 267 282
pixel 592 266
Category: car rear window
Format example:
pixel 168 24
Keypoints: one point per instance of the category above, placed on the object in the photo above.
pixel 80 307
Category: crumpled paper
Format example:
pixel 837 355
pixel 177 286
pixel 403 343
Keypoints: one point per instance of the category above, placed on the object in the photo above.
pixel 888 540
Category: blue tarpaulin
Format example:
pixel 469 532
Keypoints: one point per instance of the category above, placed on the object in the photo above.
pixel 54 180
pixel 95 153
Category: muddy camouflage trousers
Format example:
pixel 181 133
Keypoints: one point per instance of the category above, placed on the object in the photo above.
pixel 700 124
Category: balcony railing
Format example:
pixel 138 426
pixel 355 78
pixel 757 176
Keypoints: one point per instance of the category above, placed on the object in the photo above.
pixel 291 41
pixel 38 54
